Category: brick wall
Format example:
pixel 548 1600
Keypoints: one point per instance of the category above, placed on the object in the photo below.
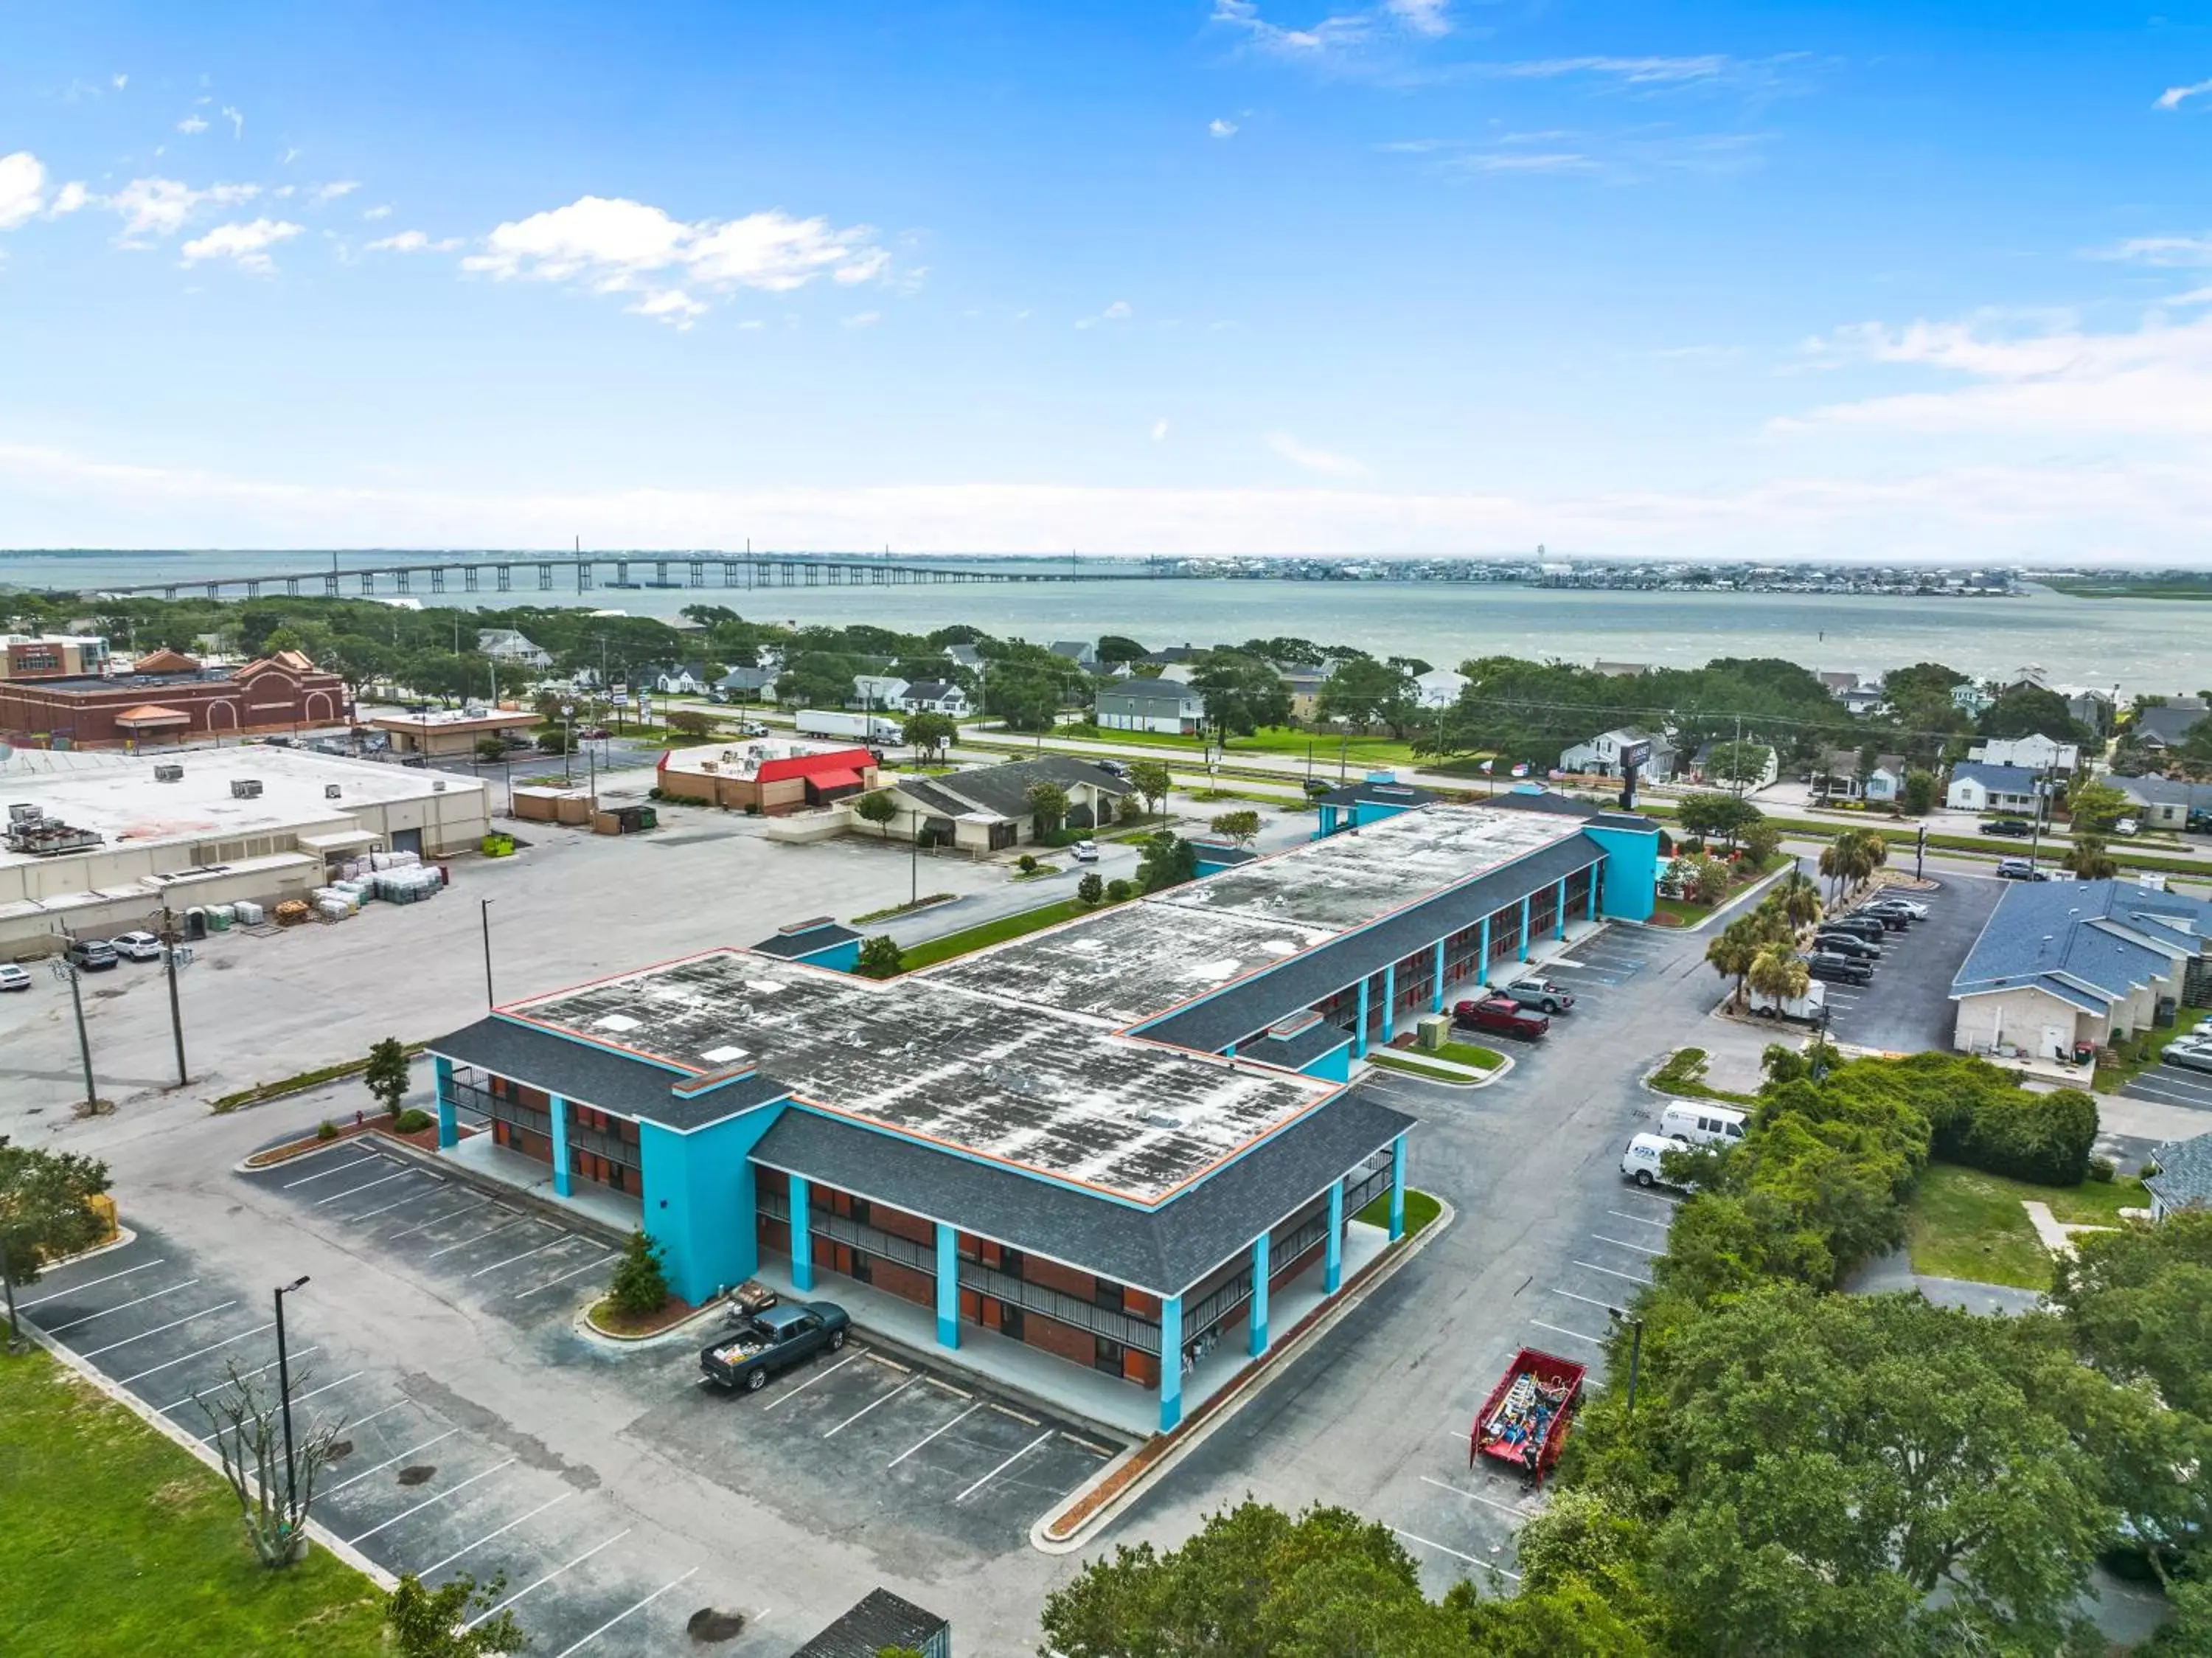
pixel 1077 1346
pixel 901 1281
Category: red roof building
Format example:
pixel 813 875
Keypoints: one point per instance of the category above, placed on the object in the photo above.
pixel 770 774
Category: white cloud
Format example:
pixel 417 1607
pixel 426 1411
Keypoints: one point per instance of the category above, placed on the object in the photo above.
pixel 1313 459
pixel 1422 16
pixel 1119 311
pixel 2159 250
pixel 1524 160
pixel 192 124
pixel 862 319
pixel 22 188
pixel 70 198
pixel 670 305
pixel 1329 34
pixel 382 211
pixel 336 188
pixel 120 82
pixel 159 207
pixel 237 119
pixel 413 241
pixel 291 155
pixel 247 244
pixel 1221 129
pixel 1159 431
pixel 610 244
pixel 2174 97
pixel 1631 71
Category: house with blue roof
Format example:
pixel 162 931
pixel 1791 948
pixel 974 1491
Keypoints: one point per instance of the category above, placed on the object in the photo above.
pixel 2062 963
pixel 1977 786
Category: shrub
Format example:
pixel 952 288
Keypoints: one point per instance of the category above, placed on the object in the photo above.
pixel 2101 1170
pixel 639 1284
pixel 2044 1138
pixel 881 957
pixel 1026 864
pixel 326 1130
pixel 413 1120
pixel 1091 889
pixel 1118 890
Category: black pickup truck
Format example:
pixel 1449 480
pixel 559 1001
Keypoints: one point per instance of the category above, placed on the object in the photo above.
pixel 759 1344
pixel 2017 827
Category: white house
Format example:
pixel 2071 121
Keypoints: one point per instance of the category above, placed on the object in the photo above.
pixel 2036 753
pixel 2184 1179
pixel 1979 788
pixel 1601 756
pixel 879 690
pixel 1161 704
pixel 1768 768
pixel 683 680
pixel 936 696
pixel 2164 802
pixel 1971 699
pixel 1439 688
pixel 505 644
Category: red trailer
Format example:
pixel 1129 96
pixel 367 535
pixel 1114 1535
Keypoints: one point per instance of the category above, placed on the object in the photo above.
pixel 1524 1421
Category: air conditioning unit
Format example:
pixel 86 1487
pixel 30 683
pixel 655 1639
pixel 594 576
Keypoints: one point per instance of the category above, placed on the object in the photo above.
pixel 168 774
pixel 331 791
pixel 438 787
pixel 246 789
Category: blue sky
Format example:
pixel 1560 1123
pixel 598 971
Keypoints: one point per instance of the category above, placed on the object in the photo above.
pixel 1430 276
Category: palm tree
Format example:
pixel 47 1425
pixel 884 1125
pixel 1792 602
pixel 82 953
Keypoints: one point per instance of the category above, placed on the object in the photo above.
pixel 1850 858
pixel 1797 897
pixel 1732 950
pixel 1777 971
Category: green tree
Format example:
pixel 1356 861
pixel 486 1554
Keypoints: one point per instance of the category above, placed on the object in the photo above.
pixel 640 1284
pixel 1777 971
pixel 45 1212
pixel 690 722
pixel 1364 692
pixel 932 733
pixel 1117 648
pixel 1242 693
pixel 1761 841
pixel 1732 950
pixel 879 806
pixel 2135 1301
pixel 881 957
pixel 1712 813
pixel 1242 828
pixel 2095 807
pixel 1091 889
pixel 1737 762
pixel 2086 858
pixel 2029 710
pixel 1151 779
pixel 1919 791
pixel 1849 858
pixel 429 1623
pixel 386 1073
pixel 490 750
pixel 1796 898
pixel 1047 804
pixel 1024 692
pixel 1168 861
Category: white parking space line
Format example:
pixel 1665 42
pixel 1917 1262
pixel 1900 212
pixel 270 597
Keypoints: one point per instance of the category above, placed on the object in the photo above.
pixel 858 1352
pixel 504 1226
pixel 864 1409
pixel 301 1398
pixel 25 1306
pixel 1003 1466
pixel 1640 1220
pixel 520 1293
pixel 1476 1497
pixel 2169 1093
pixel 1400 1530
pixel 1633 1277
pixel 171 1364
pixel 297 1353
pixel 1622 1243
pixel 425 1574
pixel 427 1501
pixel 339 1197
pixel 623 1614
pixel 398 1203
pixel 173 1324
pixel 927 1437
pixel 1595 1341
pixel 1586 1301
pixel 340 1168
pixel 424 1225
pixel 389 1461
pixel 492 1611
pixel 56 1329
pixel 351 1422
pixel 564 1238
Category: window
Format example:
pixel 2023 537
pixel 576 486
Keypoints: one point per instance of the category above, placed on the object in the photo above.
pixel 1107 1356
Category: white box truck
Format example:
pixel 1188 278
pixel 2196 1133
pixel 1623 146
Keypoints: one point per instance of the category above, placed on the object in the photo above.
pixel 1806 1008
pixel 835 722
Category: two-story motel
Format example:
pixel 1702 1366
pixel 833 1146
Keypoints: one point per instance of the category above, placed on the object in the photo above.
pixel 1117 1140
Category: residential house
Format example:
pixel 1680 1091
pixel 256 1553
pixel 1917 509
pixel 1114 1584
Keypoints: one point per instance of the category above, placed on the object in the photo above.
pixel 1601 756
pixel 2184 1179
pixel 1620 670
pixel 2094 708
pixel 1440 686
pixel 965 656
pixel 1769 768
pixel 2169 726
pixel 878 691
pixel 2164 803
pixel 680 680
pixel 986 808
pixel 748 685
pixel 1837 681
pixel 2036 753
pixel 1972 699
pixel 1171 656
pixel 2063 963
pixel 1082 652
pixel 1305 685
pixel 936 696
pixel 1161 704
pixel 1862 699
pixel 1839 778
pixel 1977 787
pixel 505 644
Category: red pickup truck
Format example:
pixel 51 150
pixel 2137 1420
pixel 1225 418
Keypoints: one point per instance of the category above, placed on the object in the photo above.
pixel 1505 1015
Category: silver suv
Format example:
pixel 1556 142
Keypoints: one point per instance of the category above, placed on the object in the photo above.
pixel 1541 993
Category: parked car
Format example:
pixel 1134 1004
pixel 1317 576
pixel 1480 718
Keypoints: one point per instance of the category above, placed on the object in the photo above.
pixel 1112 768
pixel 1837 969
pixel 1542 994
pixel 91 955
pixel 2016 827
pixel 1641 1162
pixel 1085 851
pixel 749 728
pixel 2128 826
pixel 1694 1123
pixel 763 1344
pixel 1894 921
pixel 13 978
pixel 1894 913
pixel 1868 928
pixel 137 947
pixel 1502 1014
pixel 594 733
pixel 1912 906
pixel 2018 870
pixel 1849 945
pixel 2189 1059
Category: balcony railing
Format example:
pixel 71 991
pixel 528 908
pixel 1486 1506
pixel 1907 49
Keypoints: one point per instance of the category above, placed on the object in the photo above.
pixel 486 1104
pixel 856 1235
pixel 1107 1321
pixel 612 1147
pixel 1217 1308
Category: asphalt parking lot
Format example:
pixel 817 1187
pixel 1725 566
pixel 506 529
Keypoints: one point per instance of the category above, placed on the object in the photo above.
pixel 2173 1085
pixel 1907 1008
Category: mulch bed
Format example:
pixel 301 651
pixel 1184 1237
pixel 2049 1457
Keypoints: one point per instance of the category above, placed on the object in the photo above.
pixel 669 1314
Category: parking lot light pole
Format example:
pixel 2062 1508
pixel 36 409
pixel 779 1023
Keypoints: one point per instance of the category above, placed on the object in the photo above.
pixel 485 909
pixel 284 1392
pixel 176 1006
pixel 1635 1351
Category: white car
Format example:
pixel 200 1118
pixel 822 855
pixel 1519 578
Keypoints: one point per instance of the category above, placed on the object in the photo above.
pixel 137 947
pixel 1087 851
pixel 13 978
pixel 2128 826
pixel 1640 1163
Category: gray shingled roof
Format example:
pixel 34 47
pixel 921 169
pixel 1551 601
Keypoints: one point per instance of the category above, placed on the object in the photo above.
pixel 2169 724
pixel 2087 941
pixel 1005 789
pixel 597 1076
pixel 2184 1172
pixel 1147 691
pixel 1997 779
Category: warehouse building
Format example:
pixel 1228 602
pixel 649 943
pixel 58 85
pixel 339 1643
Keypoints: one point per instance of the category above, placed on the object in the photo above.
pixel 1126 1140
pixel 119 836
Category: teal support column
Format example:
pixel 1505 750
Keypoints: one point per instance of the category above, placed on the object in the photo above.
pixel 1359 1033
pixel 1524 929
pixel 948 1286
pixel 1482 962
pixel 1559 916
pixel 1331 1271
pixel 449 1127
pixel 1389 1003
pixel 1260 1271
pixel 1171 1363
pixel 556 1113
pixel 1437 997
pixel 1398 1188
pixel 802 1235
pixel 1594 870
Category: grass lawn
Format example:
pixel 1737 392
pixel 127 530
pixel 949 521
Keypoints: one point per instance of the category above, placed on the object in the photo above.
pixel 1679 912
pixel 1391 1059
pixel 2113 1074
pixel 1467 1054
pixel 1327 751
pixel 117 1541
pixel 1962 1224
pixel 1420 1209
pixel 993 932
pixel 1683 1076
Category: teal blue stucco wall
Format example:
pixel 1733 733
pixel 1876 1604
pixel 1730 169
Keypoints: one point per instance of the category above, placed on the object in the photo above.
pixel 700 1201
pixel 1631 888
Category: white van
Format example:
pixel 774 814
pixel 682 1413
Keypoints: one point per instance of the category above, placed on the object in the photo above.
pixel 1699 1123
pixel 1641 1162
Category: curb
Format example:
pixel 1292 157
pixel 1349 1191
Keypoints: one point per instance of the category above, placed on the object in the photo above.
pixel 590 1332
pixel 1505 1063
pixel 1223 1408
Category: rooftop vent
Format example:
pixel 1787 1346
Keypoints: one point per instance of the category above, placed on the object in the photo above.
pixel 438 787
pixel 1283 1029
pixel 1163 1120
pixel 331 791
pixel 168 774
pixel 245 788
pixel 808 926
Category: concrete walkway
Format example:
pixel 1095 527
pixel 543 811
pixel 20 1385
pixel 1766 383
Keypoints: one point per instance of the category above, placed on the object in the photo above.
pixel 2053 1234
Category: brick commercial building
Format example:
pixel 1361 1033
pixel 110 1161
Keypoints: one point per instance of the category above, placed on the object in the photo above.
pixel 169 697
pixel 770 774
pixel 1119 1141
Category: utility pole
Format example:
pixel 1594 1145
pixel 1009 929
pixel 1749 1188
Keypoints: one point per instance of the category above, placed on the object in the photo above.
pixel 484 910
pixel 176 1005
pixel 67 969
pixel 2035 828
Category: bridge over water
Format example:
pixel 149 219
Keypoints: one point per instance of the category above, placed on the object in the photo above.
pixel 733 572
